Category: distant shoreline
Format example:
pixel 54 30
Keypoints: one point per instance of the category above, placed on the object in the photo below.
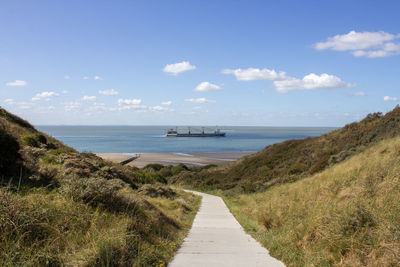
pixel 194 159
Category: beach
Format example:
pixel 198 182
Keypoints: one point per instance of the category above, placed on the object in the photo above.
pixel 194 159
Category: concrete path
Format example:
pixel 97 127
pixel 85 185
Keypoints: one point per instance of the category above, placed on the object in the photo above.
pixel 217 239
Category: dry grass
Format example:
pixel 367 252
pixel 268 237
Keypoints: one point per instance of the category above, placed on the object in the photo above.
pixel 347 215
pixel 44 228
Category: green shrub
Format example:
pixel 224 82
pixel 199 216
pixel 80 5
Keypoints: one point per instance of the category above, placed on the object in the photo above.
pixel 34 140
pixel 153 167
pixel 29 140
pixel 57 152
pixel 165 172
pixel 178 169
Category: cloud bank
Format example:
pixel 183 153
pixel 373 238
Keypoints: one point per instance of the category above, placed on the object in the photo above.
pixel 363 44
pixel 311 82
pixel 285 84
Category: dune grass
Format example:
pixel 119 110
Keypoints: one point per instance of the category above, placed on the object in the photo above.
pixel 59 207
pixel 293 160
pixel 347 215
pixel 41 228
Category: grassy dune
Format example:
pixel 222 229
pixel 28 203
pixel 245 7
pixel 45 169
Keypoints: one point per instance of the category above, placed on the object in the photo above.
pixel 332 200
pixel 347 215
pixel 41 228
pixel 60 207
pixel 293 160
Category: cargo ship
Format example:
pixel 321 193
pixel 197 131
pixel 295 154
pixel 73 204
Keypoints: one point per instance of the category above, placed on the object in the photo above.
pixel 175 133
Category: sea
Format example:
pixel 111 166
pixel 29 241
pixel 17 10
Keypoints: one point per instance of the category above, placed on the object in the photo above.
pixel 152 139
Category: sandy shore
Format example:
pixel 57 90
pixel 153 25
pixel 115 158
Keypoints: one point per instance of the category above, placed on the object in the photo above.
pixel 197 159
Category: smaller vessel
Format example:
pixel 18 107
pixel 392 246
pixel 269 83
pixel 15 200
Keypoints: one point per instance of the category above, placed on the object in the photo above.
pixel 175 133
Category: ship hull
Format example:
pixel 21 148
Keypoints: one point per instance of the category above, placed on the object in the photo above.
pixel 197 135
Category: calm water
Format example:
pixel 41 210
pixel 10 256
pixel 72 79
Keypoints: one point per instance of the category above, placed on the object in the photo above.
pixel 150 139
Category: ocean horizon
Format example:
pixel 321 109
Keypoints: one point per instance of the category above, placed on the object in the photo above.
pixel 151 139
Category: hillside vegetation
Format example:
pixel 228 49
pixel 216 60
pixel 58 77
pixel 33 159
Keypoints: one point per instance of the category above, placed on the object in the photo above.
pixel 61 207
pixel 347 215
pixel 292 160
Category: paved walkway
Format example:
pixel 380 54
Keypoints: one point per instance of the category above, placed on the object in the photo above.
pixel 217 239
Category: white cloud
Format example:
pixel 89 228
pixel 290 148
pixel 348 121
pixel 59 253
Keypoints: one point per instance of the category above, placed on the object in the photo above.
pixel 200 100
pixel 89 98
pixel 159 108
pixel 390 98
pixel 98 107
pixel 21 105
pixel 108 92
pixel 85 77
pixel 135 107
pixel 24 105
pixel 178 68
pixel 72 106
pixel 166 103
pixel 311 82
pixel 129 102
pixel 64 92
pixel 284 83
pixel 363 44
pixel 97 78
pixel 44 95
pixel 17 83
pixel 359 93
pixel 67 77
pixel 252 74
pixel 206 86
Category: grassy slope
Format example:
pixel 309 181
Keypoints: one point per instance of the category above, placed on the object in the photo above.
pixel 295 159
pixel 61 207
pixel 347 215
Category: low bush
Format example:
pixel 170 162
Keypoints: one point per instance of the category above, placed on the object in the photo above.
pixel 154 190
pixel 153 167
pixel 34 140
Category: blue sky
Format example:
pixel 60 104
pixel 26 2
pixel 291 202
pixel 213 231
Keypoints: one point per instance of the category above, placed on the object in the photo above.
pixel 272 63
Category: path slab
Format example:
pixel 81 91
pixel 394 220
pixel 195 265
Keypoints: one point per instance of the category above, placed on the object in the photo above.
pixel 217 239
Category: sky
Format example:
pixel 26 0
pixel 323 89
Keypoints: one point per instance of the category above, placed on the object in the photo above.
pixel 244 63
